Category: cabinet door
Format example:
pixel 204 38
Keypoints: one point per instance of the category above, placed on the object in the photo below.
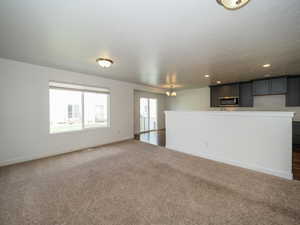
pixel 296 133
pixel 214 96
pixel 229 90
pixel 293 91
pixel 246 97
pixel 278 85
pixel 261 87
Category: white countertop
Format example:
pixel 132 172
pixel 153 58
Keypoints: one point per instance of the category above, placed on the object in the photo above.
pixel 240 113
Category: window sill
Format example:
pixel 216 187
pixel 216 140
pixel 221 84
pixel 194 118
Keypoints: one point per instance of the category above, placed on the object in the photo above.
pixel 81 130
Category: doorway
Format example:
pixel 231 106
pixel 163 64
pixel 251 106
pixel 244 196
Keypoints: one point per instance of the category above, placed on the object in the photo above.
pixel 148 114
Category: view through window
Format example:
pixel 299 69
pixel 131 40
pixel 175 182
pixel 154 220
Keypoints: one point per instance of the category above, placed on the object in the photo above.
pixel 72 110
pixel 95 110
pixel 148 114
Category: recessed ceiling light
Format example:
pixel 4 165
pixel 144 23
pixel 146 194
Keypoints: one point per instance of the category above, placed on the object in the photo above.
pixel 219 82
pixel 267 65
pixel 105 63
pixel 233 4
pixel 206 75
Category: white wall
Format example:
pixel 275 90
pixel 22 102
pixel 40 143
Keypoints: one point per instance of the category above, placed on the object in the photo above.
pixel 261 141
pixel 191 99
pixel 160 109
pixel 199 99
pixel 24 114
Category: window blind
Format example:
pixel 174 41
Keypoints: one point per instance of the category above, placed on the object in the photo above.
pixel 76 87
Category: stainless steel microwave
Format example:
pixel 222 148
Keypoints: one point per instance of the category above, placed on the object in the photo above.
pixel 229 101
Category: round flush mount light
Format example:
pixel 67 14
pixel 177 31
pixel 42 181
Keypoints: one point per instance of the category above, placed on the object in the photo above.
pixel 233 4
pixel 267 65
pixel 105 63
pixel 206 75
pixel 219 82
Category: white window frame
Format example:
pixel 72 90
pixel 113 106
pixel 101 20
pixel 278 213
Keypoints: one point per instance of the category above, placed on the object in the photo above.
pixel 82 89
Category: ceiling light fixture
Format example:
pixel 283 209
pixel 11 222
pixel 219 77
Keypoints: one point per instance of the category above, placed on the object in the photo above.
pixel 219 82
pixel 207 76
pixel 171 92
pixel 105 63
pixel 267 65
pixel 233 4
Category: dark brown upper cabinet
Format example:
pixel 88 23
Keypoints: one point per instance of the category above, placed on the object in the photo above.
pixel 288 85
pixel 246 96
pixel 272 86
pixel 214 96
pixel 229 90
pixel 293 91
pixel 278 86
pixel 226 90
pixel 260 87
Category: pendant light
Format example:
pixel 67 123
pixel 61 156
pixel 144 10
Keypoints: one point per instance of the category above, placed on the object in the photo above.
pixel 233 4
pixel 171 92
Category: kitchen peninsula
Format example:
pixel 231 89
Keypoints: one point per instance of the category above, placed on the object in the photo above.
pixel 260 141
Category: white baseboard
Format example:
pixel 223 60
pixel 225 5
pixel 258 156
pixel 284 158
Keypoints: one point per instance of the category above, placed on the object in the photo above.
pixel 282 174
pixel 49 154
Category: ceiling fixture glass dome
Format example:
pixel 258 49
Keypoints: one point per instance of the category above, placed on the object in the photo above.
pixel 105 63
pixel 233 4
pixel 171 92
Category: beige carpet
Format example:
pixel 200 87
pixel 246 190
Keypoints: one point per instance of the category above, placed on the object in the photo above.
pixel 134 183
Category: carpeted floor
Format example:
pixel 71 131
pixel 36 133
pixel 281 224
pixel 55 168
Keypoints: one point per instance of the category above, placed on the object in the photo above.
pixel 135 183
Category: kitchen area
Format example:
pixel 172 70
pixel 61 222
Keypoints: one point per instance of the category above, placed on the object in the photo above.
pixel 278 93
pixel 260 112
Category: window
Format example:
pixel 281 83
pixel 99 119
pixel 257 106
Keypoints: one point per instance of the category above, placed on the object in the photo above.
pixel 148 114
pixel 73 111
pixel 95 110
pixel 75 107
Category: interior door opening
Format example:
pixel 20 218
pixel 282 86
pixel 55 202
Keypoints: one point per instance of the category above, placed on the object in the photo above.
pixel 148 114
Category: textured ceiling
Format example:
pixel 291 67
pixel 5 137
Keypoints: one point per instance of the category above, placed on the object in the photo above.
pixel 155 42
